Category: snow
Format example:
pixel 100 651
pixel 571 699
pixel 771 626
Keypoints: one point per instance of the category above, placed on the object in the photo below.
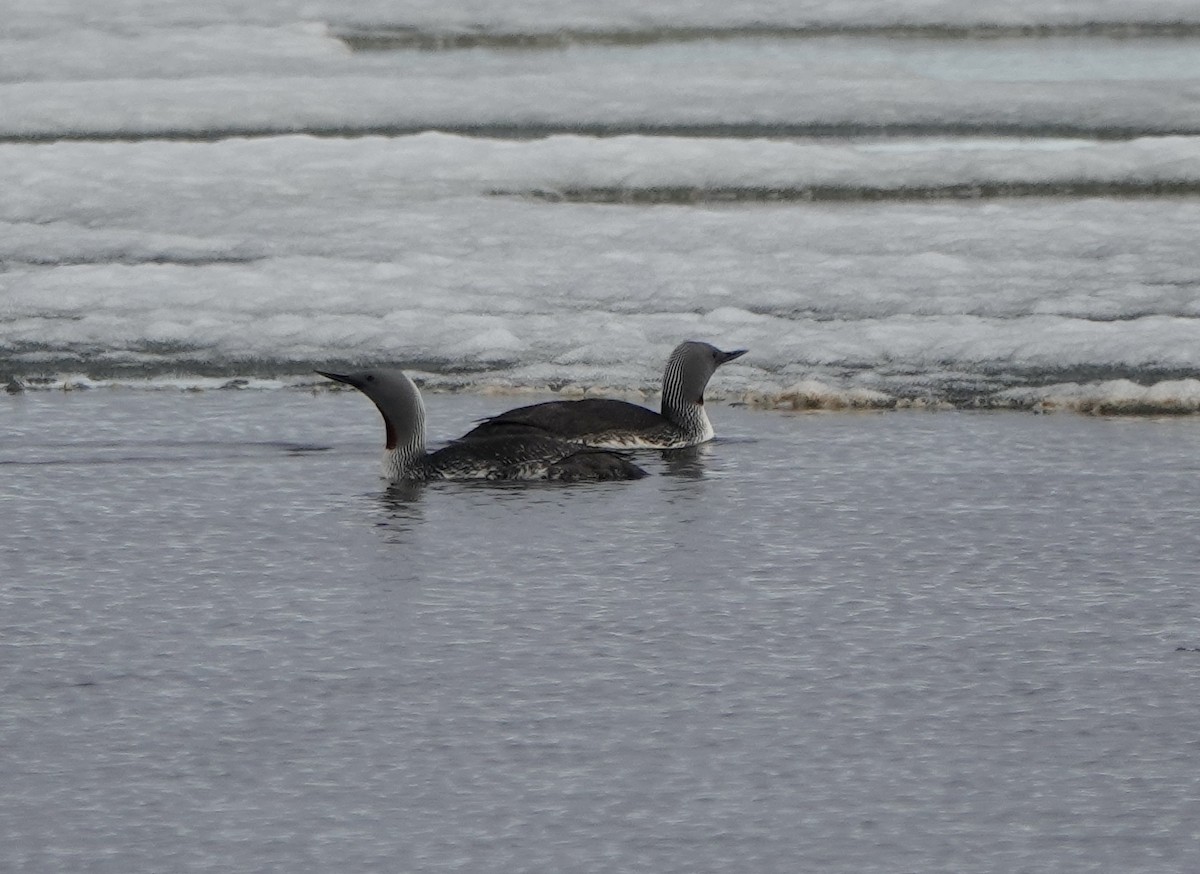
pixel 576 262
pixel 302 78
pixel 27 18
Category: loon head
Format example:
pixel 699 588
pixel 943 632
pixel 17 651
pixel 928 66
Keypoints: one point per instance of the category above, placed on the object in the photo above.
pixel 399 402
pixel 689 369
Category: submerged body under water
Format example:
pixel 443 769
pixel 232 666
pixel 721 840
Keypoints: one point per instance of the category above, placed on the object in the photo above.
pixel 839 642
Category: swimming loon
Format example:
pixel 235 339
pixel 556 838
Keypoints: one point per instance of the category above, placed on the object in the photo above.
pixel 502 457
pixel 613 424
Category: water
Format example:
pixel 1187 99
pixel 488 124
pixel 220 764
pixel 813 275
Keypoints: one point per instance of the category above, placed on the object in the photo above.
pixel 854 642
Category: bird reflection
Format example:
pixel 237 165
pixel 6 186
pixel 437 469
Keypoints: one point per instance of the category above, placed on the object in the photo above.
pixel 401 505
pixel 405 493
pixel 688 463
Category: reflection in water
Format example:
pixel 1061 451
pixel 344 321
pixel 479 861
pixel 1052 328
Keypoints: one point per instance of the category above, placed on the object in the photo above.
pixel 401 504
pixel 406 504
pixel 82 452
pixel 688 463
pixel 405 507
pixel 403 493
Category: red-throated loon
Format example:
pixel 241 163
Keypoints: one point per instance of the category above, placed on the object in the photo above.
pixel 493 457
pixel 613 424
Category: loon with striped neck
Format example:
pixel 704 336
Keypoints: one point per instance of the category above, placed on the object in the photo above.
pixel 611 424
pixel 493 457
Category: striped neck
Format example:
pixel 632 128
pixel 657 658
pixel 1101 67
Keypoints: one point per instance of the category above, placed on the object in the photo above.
pixel 401 460
pixel 404 421
pixel 683 399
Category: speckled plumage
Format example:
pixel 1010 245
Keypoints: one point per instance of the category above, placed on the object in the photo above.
pixel 484 457
pixel 612 424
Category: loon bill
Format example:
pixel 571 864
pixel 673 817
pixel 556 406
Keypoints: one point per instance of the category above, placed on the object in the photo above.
pixel 489 457
pixel 612 424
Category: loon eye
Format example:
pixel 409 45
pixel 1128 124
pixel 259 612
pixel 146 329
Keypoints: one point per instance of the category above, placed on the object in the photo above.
pixel 370 377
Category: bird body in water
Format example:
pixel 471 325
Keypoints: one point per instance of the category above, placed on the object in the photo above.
pixel 614 424
pixel 487 457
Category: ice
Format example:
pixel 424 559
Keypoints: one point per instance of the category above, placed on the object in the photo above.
pixel 151 70
pixel 860 271
pixel 79 54
pixel 718 86
pixel 32 17
pixel 1109 397
pixel 271 256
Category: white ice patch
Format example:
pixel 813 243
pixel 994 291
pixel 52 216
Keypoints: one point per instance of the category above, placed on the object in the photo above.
pixel 186 78
pixel 255 257
pixel 541 16
pixel 1111 397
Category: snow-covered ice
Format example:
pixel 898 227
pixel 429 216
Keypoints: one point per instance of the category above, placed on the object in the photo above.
pixel 576 262
pixel 199 83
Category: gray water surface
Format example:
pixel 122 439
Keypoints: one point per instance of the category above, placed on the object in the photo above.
pixel 833 642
